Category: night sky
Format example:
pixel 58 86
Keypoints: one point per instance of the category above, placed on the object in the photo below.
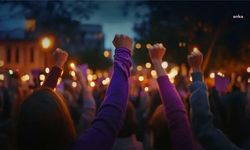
pixel 110 15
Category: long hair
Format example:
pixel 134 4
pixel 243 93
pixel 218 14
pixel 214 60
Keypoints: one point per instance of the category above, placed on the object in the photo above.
pixel 44 122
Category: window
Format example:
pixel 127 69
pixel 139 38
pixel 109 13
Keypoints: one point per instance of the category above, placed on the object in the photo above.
pixel 31 54
pixel 17 55
pixel 8 54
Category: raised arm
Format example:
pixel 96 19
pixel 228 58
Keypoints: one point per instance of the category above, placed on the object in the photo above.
pixel 179 127
pixel 110 117
pixel 202 121
pixel 60 58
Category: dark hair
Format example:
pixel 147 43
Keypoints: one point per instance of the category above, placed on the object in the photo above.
pixel 44 122
pixel 129 126
pixel 159 127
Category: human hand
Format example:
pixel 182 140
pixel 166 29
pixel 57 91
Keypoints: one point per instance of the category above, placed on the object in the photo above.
pixel 123 41
pixel 60 56
pixel 156 52
pixel 195 60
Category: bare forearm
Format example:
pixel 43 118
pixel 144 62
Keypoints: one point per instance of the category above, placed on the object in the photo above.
pixel 158 68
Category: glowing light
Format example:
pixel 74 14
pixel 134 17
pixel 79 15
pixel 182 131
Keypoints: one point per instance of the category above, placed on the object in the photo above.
pixel 25 77
pixel 106 81
pixel 153 73
pixel 140 78
pixel 105 74
pixel 89 77
pixel 89 71
pixel 59 81
pixel 94 76
pixel 248 69
pixel 220 74
pixel 138 45
pixel 11 72
pixel 171 80
pixel 74 84
pixel 248 80
pixel 106 53
pixel 46 43
pixel 72 73
pixel 1 77
pixel 1 63
pixel 99 74
pixel 212 75
pixel 47 70
pixel 139 68
pixel 164 64
pixel 72 65
pixel 146 89
pixel 183 44
pixel 180 44
pixel 42 77
pixel 41 83
pixel 149 46
pixel 148 65
pixel 191 79
pixel 92 84
pixel 195 49
pixel 173 72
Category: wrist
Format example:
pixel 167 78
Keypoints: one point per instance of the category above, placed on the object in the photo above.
pixel 59 64
pixel 196 69
pixel 156 62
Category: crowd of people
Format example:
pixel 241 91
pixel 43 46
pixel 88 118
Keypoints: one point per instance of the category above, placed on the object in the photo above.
pixel 124 115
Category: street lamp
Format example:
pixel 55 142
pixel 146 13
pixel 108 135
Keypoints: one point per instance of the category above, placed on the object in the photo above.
pixel 46 43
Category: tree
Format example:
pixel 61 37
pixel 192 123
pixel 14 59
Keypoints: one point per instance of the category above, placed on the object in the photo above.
pixel 206 25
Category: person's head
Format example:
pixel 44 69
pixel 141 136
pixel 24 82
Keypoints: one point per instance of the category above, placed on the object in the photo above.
pixel 159 126
pixel 44 122
pixel 129 126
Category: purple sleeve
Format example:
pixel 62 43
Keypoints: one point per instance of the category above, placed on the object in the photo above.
pixel 179 127
pixel 110 117
pixel 52 78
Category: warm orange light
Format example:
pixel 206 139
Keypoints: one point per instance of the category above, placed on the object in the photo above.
pixel 74 84
pixel 149 46
pixel 212 75
pixel 195 49
pixel 92 84
pixel 72 65
pixel 141 78
pixel 106 54
pixel 138 45
pixel 47 70
pixel 148 65
pixel 46 43
pixel 139 68
pixel 248 69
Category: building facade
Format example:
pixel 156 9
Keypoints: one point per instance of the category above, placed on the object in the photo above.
pixel 23 55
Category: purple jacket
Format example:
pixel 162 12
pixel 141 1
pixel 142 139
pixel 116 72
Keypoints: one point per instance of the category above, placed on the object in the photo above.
pixel 109 120
pixel 179 127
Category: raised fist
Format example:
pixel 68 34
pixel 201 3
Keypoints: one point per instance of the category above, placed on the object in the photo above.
pixel 156 52
pixel 195 60
pixel 60 57
pixel 122 41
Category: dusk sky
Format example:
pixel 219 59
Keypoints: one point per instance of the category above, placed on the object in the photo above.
pixel 109 15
